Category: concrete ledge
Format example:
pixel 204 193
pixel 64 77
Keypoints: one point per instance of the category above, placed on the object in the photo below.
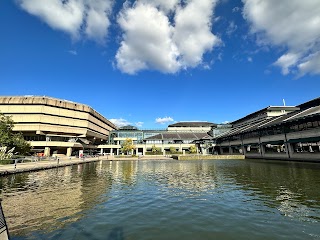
pixel 207 157
pixel 41 165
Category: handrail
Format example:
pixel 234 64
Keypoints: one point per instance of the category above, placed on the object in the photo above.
pixel 4 233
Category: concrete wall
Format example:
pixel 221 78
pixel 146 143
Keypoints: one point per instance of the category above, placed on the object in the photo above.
pixel 54 115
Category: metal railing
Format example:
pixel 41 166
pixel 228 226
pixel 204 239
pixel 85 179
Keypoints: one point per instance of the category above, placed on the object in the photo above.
pixel 4 233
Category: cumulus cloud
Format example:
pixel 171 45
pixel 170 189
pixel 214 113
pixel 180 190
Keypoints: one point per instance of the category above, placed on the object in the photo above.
pixel 120 122
pixel 164 120
pixel 75 17
pixel 292 24
pixel 165 35
pixel 147 41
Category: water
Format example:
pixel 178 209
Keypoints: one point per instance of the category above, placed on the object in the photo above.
pixel 227 199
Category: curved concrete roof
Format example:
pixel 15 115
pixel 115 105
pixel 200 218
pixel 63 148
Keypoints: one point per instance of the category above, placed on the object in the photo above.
pixel 55 102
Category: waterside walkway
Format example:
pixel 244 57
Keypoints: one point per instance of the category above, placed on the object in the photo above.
pixel 41 165
pixel 62 162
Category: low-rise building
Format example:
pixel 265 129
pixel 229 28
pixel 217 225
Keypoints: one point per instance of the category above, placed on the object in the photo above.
pixel 291 133
pixel 179 136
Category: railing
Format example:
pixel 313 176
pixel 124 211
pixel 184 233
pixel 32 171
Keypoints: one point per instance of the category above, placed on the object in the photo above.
pixel 4 233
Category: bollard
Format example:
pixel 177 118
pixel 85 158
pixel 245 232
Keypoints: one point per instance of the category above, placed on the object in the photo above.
pixel 15 164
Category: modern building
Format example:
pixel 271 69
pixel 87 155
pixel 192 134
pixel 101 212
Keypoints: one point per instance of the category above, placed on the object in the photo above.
pixel 180 136
pixel 281 132
pixel 55 126
pixel 191 127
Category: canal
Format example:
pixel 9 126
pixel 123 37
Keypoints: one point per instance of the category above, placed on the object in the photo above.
pixel 221 199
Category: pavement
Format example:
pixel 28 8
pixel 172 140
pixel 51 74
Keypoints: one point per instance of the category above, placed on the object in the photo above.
pixel 43 164
pixel 62 162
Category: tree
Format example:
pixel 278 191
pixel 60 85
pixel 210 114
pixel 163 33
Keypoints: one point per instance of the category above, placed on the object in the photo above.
pixel 193 149
pixel 173 150
pixel 10 139
pixel 155 149
pixel 127 146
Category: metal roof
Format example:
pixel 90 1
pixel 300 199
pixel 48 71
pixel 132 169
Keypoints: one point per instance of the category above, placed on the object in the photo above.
pixel 193 124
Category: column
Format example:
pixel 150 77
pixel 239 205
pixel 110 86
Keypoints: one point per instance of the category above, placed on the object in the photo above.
pixel 69 151
pixel 144 151
pixel 101 151
pixel 117 151
pixel 47 151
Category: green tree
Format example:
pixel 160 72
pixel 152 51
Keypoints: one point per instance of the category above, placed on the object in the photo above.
pixel 173 150
pixel 127 146
pixel 193 149
pixel 155 149
pixel 10 139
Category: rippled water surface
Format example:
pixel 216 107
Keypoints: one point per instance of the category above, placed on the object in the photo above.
pixel 225 199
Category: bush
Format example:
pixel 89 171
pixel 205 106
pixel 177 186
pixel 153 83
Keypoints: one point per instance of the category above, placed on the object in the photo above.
pixel 153 153
pixel 5 162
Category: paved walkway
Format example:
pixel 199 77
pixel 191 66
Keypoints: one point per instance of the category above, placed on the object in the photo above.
pixel 47 164
pixel 43 164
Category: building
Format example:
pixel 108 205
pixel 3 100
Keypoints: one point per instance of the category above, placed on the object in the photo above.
pixel 55 126
pixel 281 132
pixel 191 127
pixel 180 136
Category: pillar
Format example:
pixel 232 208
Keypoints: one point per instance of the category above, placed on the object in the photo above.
pixel 230 150
pixel 117 151
pixel 101 151
pixel 69 151
pixel 183 152
pixel 144 151
pixel 47 151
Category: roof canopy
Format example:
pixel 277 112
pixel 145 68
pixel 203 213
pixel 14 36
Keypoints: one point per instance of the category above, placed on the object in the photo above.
pixel 193 124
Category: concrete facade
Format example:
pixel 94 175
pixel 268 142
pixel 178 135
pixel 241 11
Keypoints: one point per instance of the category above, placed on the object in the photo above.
pixel 56 126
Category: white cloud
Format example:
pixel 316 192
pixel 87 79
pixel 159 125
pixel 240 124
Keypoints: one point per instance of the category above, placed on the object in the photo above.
pixel 73 52
pixel 192 32
pixel 310 64
pixel 165 35
pixel 139 124
pixel 286 62
pixel 236 9
pixel 164 120
pixel 146 41
pixel 231 28
pixel 72 16
pixel 120 122
pixel 293 24
pixel 250 59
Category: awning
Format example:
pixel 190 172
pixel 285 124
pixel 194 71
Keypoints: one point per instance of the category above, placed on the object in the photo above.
pixel 310 139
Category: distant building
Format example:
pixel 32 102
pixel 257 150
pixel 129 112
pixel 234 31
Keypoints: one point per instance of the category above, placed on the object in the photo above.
pixel 191 127
pixel 56 126
pixel 179 136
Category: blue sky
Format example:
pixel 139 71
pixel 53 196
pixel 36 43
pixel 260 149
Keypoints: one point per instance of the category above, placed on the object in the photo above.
pixel 153 62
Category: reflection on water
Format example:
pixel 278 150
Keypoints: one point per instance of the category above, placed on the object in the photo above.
pixel 165 200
